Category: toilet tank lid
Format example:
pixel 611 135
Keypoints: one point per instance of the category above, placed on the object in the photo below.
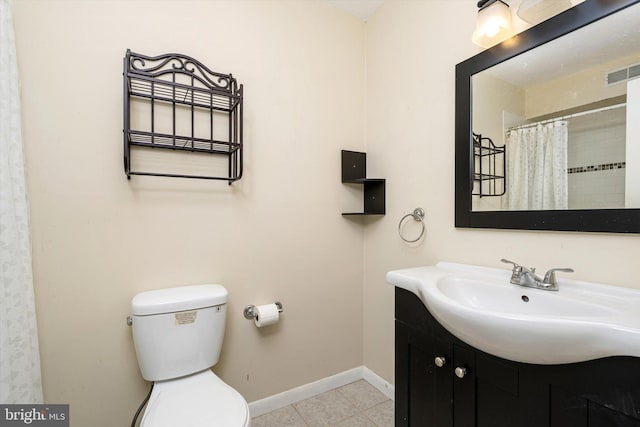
pixel 181 298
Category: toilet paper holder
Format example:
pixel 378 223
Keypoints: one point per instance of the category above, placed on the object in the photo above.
pixel 250 310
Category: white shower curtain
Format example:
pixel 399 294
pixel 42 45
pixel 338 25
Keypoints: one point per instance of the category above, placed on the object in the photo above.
pixel 537 167
pixel 19 354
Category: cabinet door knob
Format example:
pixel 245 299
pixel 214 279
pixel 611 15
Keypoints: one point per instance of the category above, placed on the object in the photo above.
pixel 460 372
pixel 440 361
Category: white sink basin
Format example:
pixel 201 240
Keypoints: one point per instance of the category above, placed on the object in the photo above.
pixel 581 321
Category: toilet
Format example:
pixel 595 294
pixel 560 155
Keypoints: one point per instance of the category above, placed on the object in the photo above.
pixel 177 334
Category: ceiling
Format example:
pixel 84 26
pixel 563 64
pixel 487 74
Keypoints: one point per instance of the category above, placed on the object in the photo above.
pixel 361 9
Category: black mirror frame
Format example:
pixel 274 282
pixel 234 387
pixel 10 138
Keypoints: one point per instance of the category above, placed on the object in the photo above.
pixel 595 220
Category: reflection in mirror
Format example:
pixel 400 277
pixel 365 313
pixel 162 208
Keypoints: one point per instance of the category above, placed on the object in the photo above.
pixel 553 127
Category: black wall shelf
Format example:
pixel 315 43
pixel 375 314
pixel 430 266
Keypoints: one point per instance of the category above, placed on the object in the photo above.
pixel 489 167
pixel 354 171
pixel 182 105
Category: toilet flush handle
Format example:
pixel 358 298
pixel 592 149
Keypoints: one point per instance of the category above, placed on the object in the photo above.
pixel 129 321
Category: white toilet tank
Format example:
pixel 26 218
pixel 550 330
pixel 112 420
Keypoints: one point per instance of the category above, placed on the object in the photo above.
pixel 178 331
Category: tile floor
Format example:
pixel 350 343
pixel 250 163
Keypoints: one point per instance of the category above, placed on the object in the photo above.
pixel 358 404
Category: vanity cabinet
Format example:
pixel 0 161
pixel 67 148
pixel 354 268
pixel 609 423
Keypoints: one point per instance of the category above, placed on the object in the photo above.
pixel 488 391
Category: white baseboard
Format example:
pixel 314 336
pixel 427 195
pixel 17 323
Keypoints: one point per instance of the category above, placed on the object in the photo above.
pixel 378 382
pixel 286 398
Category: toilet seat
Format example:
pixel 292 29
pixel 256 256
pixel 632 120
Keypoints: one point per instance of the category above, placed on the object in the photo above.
pixel 198 400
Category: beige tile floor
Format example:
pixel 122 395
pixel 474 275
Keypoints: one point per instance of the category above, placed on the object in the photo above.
pixel 358 404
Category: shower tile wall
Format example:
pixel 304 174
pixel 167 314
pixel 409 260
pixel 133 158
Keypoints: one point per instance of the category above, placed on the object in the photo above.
pixel 594 190
pixel 596 140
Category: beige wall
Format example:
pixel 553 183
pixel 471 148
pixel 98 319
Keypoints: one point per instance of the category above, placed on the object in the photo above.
pixel 576 90
pixel 504 98
pixel 488 121
pixel 98 239
pixel 632 153
pixel 412 49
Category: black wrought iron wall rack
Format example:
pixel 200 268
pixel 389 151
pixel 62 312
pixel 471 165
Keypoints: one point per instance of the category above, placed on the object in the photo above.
pixel 354 171
pixel 182 105
pixel 489 167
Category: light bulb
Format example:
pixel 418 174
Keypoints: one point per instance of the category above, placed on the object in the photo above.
pixel 494 24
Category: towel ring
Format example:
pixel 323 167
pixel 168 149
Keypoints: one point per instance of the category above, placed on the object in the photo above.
pixel 418 215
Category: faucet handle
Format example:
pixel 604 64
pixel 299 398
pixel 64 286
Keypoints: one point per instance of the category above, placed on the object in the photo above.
pixel 516 273
pixel 515 264
pixel 518 269
pixel 550 277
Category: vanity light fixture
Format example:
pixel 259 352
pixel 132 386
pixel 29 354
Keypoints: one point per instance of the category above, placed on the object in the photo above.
pixel 536 11
pixel 494 23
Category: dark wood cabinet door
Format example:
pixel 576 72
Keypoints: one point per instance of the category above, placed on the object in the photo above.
pixel 499 401
pixel 464 387
pixel 424 393
pixel 443 390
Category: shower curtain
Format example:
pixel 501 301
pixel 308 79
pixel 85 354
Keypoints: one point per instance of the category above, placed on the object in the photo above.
pixel 19 354
pixel 537 167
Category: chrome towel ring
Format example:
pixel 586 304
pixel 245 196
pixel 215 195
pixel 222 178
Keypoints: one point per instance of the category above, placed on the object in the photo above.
pixel 418 215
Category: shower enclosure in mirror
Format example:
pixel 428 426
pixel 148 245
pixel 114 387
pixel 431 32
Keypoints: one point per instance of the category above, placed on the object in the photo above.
pixel 563 99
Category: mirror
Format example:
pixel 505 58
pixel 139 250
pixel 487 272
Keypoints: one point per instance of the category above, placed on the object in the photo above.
pixel 545 130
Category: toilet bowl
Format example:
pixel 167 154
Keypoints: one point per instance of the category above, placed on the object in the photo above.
pixel 198 400
pixel 177 335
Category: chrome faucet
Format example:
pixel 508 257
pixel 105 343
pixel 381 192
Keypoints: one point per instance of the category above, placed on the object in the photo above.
pixel 524 276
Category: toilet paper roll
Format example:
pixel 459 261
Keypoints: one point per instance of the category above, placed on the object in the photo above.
pixel 266 315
